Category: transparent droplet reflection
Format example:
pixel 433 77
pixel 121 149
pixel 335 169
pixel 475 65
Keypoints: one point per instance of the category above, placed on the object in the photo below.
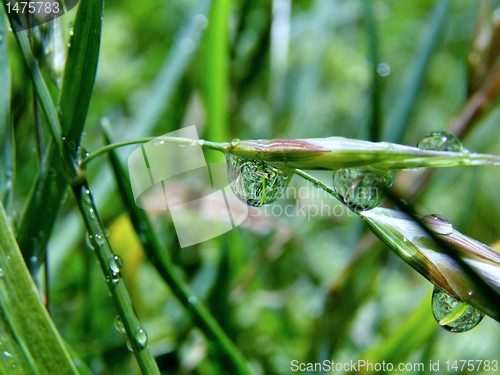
pixel 119 326
pixel 440 141
pixel 453 315
pixel 255 182
pixel 361 189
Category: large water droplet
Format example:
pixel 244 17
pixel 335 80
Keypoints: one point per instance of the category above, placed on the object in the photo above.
pixel 453 315
pixel 7 355
pixel 361 189
pixel 141 337
pixel 255 182
pixel 119 326
pixel 235 142
pixel 440 141
pixel 438 224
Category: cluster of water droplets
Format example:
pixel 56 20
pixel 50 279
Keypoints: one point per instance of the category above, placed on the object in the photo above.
pixel 140 335
pixel 361 189
pixel 256 182
pixel 452 314
pixel 440 141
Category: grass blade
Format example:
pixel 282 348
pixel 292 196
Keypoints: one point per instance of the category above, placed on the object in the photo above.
pixel 398 121
pixel 463 267
pixel 371 28
pixel 215 60
pixel 168 272
pixel 80 69
pixel 41 344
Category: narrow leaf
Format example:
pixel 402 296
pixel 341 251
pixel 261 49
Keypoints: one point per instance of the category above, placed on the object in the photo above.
pixel 80 69
pixel 41 344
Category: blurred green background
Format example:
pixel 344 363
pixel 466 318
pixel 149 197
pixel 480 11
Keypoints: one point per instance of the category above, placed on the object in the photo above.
pixel 284 287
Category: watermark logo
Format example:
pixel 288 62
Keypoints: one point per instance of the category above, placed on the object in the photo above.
pixel 169 177
pixel 28 14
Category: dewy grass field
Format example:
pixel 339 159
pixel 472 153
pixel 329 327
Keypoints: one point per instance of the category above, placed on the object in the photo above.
pixel 358 207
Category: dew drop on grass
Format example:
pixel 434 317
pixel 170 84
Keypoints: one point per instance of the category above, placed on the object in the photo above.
pixel 453 315
pixel 7 355
pixel 1 273
pixel 89 241
pixel 438 224
pixel 361 189
pixel 255 182
pixel 440 141
pixel 235 142
pixel 141 337
pixel 115 264
pixel 119 326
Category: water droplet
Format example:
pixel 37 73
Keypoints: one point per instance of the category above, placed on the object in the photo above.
pixel 34 259
pixel 235 142
pixel 440 141
pixel 192 300
pixel 255 182
pixel 1 272
pixel 200 21
pixel 159 142
pixel 187 45
pixel 7 355
pixel 453 315
pixel 438 224
pixel 99 239
pixel 361 189
pixel 89 241
pixel 383 69
pixel 115 263
pixel 141 337
pixel 201 142
pixel 129 346
pixel 119 326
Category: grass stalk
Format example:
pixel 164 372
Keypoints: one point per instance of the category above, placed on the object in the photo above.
pixel 110 268
pixel 157 255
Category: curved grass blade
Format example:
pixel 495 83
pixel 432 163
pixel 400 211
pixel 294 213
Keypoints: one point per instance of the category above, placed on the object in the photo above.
pixel 398 121
pixel 338 152
pixel 37 337
pixel 449 271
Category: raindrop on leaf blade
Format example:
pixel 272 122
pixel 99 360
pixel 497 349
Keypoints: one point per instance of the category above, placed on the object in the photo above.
pixel 361 189
pixel 255 182
pixel 440 141
pixel 452 314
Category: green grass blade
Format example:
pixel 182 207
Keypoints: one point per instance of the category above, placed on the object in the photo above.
pixel 168 272
pixel 44 201
pixel 80 69
pixel 398 121
pixel 215 61
pixel 371 29
pixel 415 332
pixel 38 338
pixel 4 77
pixel 6 131
pixel 111 270
pixel 40 87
